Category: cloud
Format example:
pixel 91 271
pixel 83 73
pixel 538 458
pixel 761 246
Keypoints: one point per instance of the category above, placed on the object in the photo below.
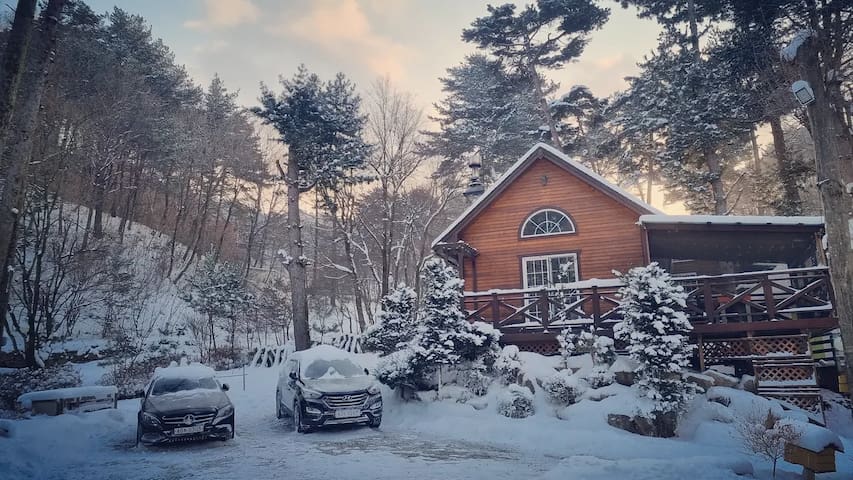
pixel 342 29
pixel 225 14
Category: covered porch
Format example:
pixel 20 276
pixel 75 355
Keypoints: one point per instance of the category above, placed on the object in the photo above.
pixel 769 302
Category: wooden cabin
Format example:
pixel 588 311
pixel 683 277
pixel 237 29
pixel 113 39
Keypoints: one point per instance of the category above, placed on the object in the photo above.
pixel 538 250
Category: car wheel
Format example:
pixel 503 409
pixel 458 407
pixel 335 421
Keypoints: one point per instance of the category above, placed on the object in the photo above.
pixel 279 413
pixel 233 432
pixel 375 423
pixel 138 433
pixel 297 418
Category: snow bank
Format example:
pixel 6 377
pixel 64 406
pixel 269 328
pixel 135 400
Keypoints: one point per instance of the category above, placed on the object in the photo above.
pixel 26 400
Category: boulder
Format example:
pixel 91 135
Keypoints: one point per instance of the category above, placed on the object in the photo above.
pixel 664 426
pixel 747 382
pixel 721 379
pixel 625 378
pixel 703 381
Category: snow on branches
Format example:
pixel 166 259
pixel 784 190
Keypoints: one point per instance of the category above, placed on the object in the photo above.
pixel 655 328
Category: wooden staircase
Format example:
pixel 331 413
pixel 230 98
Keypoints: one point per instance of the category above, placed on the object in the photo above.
pixel 784 368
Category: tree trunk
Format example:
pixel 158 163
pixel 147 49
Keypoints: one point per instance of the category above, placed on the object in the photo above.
pixel 717 190
pixel 18 149
pixel 791 203
pixel 14 62
pixel 296 267
pixel 834 167
pixel 546 111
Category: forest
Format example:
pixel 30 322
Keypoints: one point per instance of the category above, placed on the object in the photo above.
pixel 155 212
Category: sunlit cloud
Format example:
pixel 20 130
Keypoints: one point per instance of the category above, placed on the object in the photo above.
pixel 342 29
pixel 225 14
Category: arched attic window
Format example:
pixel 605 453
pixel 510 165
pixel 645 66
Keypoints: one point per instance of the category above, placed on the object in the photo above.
pixel 547 222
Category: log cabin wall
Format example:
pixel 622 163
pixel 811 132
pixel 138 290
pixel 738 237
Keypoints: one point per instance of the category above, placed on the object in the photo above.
pixel 607 236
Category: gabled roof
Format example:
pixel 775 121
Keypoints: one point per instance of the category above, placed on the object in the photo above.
pixel 545 151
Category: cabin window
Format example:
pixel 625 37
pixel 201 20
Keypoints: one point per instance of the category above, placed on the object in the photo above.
pixel 550 270
pixel 547 222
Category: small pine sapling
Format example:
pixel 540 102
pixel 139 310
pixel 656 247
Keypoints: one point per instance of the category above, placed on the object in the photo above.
pixel 655 328
pixel 395 323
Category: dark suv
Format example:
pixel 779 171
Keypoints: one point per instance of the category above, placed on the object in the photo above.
pixel 184 404
pixel 326 386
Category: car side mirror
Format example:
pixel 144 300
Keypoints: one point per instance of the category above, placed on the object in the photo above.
pixel 366 371
pixel 225 387
pixel 293 376
pixel 139 393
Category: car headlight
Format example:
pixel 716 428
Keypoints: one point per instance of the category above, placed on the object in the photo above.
pixel 373 390
pixel 224 412
pixel 150 419
pixel 309 394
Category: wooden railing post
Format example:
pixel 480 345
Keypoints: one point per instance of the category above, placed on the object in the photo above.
pixel 544 311
pixel 596 308
pixel 709 300
pixel 496 311
pixel 769 301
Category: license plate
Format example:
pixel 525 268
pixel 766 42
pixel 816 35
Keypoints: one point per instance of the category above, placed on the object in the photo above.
pixel 188 430
pixel 348 413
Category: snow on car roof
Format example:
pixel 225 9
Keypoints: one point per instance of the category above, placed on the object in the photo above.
pixel 193 371
pixel 27 399
pixel 323 352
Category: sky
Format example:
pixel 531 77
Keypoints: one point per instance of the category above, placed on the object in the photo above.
pixel 410 41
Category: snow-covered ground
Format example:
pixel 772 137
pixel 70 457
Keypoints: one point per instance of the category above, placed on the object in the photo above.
pixel 423 440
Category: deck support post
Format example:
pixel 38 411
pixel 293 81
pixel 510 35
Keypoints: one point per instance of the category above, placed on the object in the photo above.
pixel 544 310
pixel 596 308
pixel 701 353
pixel 769 301
pixel 496 311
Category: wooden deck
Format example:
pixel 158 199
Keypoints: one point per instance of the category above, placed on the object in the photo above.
pixel 761 303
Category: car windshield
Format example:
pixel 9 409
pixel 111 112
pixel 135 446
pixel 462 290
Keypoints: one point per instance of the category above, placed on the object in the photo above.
pixel 172 385
pixel 331 369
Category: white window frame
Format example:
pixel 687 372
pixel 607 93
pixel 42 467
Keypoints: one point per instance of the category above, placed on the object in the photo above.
pixel 551 284
pixel 537 212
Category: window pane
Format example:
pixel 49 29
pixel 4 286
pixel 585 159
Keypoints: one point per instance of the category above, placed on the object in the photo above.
pixel 547 222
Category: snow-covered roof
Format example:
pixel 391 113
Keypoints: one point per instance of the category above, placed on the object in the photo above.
pixel 592 178
pixel 730 220
pixel 191 371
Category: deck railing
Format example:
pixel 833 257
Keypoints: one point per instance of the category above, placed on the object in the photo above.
pixel 794 294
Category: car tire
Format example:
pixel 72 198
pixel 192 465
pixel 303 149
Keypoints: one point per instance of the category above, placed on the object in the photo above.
pixel 138 433
pixel 298 426
pixel 233 432
pixel 279 412
pixel 375 423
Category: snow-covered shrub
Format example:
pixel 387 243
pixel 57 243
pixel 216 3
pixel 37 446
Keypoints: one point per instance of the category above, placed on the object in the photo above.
pixel 655 328
pixel 395 324
pixel 475 378
pixel 766 435
pixel 603 351
pixel 508 365
pixel 572 344
pixel 400 369
pixel 25 380
pixel 479 342
pixel 599 377
pixel 516 402
pixel 562 388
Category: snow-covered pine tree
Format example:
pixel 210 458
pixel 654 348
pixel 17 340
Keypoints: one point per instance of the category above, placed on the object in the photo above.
pixel 321 124
pixel 395 323
pixel 546 34
pixel 442 322
pixel 655 328
pixel 486 109
pixel 217 292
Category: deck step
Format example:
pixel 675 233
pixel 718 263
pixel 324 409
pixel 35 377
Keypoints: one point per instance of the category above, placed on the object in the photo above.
pixel 792 380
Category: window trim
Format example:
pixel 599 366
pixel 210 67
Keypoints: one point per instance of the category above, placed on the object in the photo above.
pixel 527 219
pixel 549 256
